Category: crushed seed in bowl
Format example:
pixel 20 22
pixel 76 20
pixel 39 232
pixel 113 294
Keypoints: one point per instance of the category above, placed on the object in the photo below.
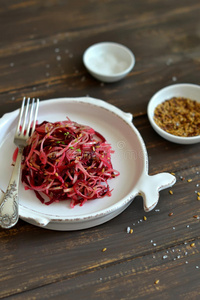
pixel 179 116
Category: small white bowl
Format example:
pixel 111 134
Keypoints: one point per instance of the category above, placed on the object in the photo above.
pixel 184 90
pixel 108 61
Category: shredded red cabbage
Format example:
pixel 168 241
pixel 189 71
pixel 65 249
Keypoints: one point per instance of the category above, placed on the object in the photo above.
pixel 67 161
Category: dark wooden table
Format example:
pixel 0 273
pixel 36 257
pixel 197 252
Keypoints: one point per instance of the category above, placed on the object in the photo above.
pixel 41 48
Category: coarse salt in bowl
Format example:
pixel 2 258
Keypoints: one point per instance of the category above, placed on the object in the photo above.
pixel 108 61
pixel 184 90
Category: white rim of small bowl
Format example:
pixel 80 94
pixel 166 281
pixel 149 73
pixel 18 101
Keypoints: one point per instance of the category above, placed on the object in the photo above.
pixel 152 105
pixel 128 51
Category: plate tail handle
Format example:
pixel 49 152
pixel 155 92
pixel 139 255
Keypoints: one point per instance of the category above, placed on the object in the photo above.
pixel 150 187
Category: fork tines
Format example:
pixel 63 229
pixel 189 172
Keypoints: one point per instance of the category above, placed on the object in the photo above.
pixel 28 116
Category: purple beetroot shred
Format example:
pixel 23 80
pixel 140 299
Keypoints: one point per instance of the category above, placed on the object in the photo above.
pixel 67 161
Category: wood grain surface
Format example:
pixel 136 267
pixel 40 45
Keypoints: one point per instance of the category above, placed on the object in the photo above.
pixel 41 48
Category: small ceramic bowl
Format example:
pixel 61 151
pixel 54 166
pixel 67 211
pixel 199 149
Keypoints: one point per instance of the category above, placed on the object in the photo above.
pixel 108 61
pixel 190 91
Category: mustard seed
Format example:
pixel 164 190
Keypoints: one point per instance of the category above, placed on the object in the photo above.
pixel 178 116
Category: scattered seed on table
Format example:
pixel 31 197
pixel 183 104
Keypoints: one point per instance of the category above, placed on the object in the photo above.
pixel 144 218
pixel 192 245
pixel 198 198
pixel 174 78
pixel 104 249
pixel 189 180
pixel 195 216
pixel 170 214
pixel 131 231
pixel 157 281
pixel 171 192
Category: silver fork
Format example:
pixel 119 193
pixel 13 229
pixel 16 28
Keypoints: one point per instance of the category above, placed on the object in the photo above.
pixel 9 205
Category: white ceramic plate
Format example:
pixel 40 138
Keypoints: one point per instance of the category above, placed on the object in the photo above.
pixel 130 159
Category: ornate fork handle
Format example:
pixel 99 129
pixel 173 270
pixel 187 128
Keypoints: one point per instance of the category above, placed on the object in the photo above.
pixel 9 213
